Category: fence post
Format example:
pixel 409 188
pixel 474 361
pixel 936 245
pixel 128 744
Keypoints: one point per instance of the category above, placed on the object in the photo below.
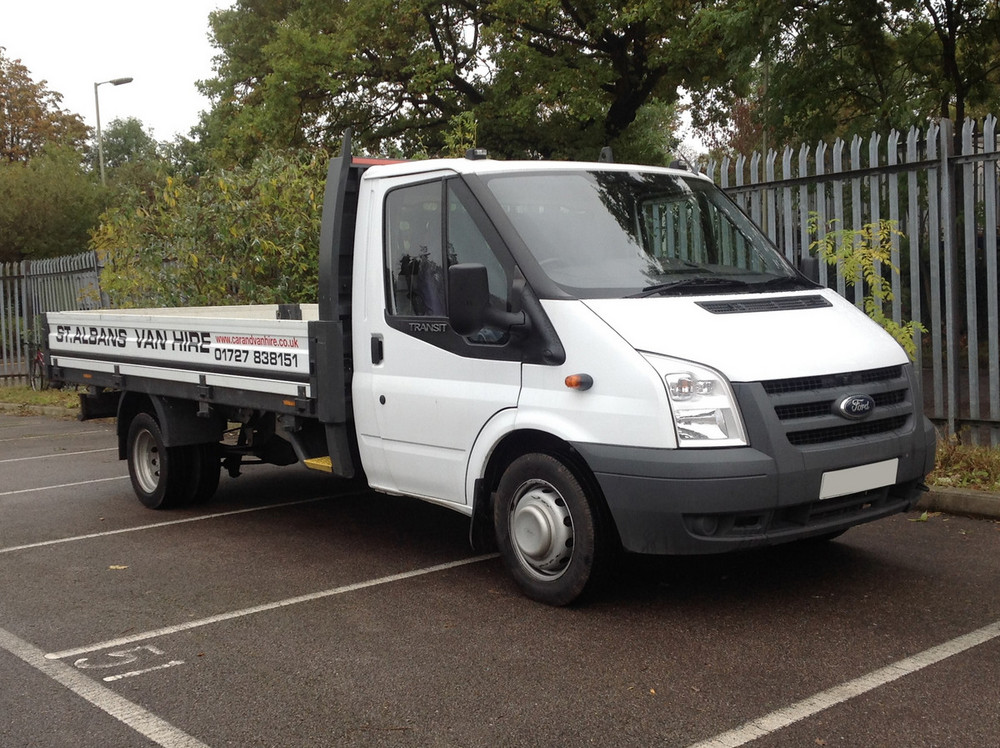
pixel 896 278
pixel 990 230
pixel 968 191
pixel 948 212
pixel 913 232
pixel 857 214
pixel 874 199
pixel 824 268
pixel 788 235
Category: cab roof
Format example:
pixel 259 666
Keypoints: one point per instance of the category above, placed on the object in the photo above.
pixel 378 169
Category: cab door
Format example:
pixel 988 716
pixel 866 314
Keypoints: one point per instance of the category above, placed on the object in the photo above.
pixel 422 393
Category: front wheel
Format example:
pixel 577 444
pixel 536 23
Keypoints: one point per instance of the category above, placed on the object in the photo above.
pixel 550 530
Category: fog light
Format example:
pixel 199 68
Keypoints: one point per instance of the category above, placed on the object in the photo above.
pixel 705 525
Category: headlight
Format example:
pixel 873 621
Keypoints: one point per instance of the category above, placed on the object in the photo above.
pixel 702 403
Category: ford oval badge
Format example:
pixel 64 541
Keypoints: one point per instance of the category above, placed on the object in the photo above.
pixel 855 407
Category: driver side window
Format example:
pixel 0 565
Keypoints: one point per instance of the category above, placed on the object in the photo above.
pixel 428 228
pixel 414 252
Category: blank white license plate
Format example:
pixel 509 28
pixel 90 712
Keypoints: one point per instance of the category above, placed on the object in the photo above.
pixel 857 479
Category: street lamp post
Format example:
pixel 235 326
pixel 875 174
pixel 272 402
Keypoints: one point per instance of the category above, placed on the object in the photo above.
pixel 97 108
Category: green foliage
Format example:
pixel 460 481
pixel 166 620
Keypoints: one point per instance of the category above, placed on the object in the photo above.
pixel 240 236
pixel 47 201
pixel 125 142
pixel 28 398
pixel 966 466
pixel 47 205
pixel 539 77
pixel 865 255
pixel 849 67
pixel 461 136
pixel 651 138
pixel 132 158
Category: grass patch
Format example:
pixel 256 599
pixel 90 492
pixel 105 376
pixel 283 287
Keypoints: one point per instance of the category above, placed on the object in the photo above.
pixel 966 466
pixel 24 395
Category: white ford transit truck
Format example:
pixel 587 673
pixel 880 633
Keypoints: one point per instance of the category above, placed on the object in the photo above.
pixel 583 358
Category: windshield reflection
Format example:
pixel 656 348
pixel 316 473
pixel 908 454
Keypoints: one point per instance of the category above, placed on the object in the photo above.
pixel 622 233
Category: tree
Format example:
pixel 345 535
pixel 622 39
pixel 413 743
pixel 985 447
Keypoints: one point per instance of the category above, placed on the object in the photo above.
pixel 968 52
pixel 541 77
pixel 127 142
pixel 572 77
pixel 131 156
pixel 30 115
pixel 47 205
pixel 847 67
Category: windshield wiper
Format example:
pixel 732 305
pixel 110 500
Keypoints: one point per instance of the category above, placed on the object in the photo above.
pixel 696 284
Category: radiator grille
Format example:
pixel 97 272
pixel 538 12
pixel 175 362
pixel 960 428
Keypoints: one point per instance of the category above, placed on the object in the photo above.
pixel 823 407
pixel 829 381
pixel 806 406
pixel 849 431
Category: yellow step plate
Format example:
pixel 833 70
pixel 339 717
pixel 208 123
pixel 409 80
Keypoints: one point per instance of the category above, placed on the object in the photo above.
pixel 319 463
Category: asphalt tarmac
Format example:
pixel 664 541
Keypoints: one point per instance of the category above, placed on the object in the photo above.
pixel 291 611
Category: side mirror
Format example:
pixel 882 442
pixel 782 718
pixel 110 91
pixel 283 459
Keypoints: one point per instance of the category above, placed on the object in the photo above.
pixel 469 309
pixel 468 297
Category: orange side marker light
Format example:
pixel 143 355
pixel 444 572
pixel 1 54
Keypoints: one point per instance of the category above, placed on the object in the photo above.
pixel 579 382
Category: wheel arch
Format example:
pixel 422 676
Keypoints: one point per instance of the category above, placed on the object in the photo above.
pixel 513 445
pixel 180 421
pixel 131 404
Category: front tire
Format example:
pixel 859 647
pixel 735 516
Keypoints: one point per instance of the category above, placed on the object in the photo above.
pixel 550 530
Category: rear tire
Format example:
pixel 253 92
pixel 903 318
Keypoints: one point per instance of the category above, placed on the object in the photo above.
pixel 550 530
pixel 36 375
pixel 209 466
pixel 162 477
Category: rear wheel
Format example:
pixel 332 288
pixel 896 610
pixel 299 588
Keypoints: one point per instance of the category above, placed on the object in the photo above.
pixel 162 477
pixel 36 375
pixel 209 464
pixel 550 530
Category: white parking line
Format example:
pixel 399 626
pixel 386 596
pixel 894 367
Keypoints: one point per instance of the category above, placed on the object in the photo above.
pixel 58 454
pixel 154 525
pixel 142 721
pixel 167 630
pixel 62 485
pixel 60 435
pixel 799 711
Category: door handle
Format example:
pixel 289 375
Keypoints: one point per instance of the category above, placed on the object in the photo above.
pixel 377 350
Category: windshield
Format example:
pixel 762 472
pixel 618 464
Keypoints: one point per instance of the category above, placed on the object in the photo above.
pixel 603 234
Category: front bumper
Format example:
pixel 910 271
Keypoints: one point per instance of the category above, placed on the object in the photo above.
pixel 700 501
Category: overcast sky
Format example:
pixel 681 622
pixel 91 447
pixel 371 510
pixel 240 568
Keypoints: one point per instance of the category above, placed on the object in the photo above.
pixel 163 45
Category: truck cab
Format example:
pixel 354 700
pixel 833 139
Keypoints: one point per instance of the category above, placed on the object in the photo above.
pixel 601 357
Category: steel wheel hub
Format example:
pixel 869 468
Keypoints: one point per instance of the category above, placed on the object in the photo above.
pixel 541 529
pixel 147 461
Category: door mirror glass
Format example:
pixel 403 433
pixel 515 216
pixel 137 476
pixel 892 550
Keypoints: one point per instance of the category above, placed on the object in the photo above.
pixel 468 297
